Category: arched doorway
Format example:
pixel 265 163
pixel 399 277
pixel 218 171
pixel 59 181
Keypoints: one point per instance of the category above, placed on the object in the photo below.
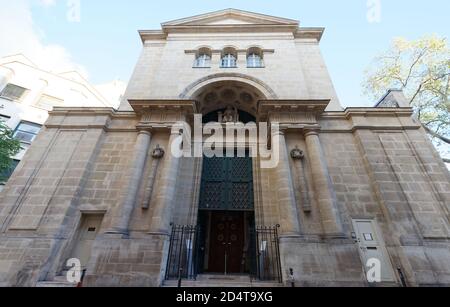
pixel 225 233
pixel 226 209
pixel 226 215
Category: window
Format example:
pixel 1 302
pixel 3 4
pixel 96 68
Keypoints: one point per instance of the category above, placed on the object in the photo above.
pixel 254 61
pixel 229 60
pixel 203 60
pixel 48 102
pixel 13 92
pixel 27 132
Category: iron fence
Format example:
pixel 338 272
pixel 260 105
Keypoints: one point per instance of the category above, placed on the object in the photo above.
pixel 182 260
pixel 268 261
pixel 263 255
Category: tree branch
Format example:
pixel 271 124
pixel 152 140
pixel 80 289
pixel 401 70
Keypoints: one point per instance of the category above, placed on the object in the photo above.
pixel 436 135
pixel 414 64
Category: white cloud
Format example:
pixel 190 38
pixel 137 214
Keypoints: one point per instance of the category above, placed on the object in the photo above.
pixel 19 34
pixel 47 3
pixel 112 91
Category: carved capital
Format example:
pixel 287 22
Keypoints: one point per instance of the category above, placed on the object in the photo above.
pixel 280 131
pixel 145 131
pixel 311 132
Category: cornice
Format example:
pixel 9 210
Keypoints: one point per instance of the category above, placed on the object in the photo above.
pixel 294 105
pixel 231 13
pixel 152 35
pixel 368 111
pixel 148 105
pixel 314 33
pixel 298 33
pixel 92 111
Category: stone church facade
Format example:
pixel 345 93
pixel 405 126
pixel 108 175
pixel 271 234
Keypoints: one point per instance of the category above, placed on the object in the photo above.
pixel 102 185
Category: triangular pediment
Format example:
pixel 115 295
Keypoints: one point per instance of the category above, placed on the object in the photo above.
pixel 231 17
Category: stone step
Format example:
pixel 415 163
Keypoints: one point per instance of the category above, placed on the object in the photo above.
pixel 222 281
pixel 225 278
pixel 57 282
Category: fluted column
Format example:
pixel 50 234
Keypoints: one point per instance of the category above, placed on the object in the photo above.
pixel 128 199
pixel 285 190
pixel 323 187
pixel 162 212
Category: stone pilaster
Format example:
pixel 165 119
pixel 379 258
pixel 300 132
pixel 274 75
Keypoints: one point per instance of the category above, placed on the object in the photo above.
pixel 285 190
pixel 242 59
pixel 128 199
pixel 162 212
pixel 323 187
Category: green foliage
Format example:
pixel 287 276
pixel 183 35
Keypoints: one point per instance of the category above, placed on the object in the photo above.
pixel 421 68
pixel 9 147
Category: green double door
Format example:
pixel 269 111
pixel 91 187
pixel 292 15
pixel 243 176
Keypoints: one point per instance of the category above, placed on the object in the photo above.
pixel 227 184
pixel 226 215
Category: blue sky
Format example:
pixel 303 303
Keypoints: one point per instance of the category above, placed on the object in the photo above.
pixel 106 45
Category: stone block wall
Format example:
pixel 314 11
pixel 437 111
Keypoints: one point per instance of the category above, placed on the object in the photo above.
pixel 77 165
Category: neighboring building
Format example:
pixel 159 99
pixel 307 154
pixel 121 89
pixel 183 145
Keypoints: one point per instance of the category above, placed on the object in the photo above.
pixel 28 93
pixel 102 186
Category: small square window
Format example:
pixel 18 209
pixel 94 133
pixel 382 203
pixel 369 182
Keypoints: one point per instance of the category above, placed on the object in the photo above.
pixel 368 237
pixel 48 102
pixel 13 92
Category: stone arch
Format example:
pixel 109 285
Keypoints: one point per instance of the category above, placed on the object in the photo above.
pixel 189 92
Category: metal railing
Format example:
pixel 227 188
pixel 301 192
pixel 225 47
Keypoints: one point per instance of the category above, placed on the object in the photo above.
pixel 268 261
pixel 263 256
pixel 182 260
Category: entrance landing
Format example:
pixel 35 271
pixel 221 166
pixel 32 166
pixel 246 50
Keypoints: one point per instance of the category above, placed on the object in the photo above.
pixel 222 281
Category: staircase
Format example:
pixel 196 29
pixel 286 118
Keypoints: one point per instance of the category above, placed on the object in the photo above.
pixel 222 281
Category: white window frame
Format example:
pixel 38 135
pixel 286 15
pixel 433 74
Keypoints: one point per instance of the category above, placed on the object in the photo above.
pixel 23 131
pixel 10 92
pixel 255 60
pixel 203 61
pixel 229 60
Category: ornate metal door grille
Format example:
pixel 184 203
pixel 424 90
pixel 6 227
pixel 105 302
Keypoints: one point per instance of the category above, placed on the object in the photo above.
pixel 227 184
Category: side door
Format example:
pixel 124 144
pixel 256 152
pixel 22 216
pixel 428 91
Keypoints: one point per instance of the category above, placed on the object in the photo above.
pixel 371 246
pixel 88 231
